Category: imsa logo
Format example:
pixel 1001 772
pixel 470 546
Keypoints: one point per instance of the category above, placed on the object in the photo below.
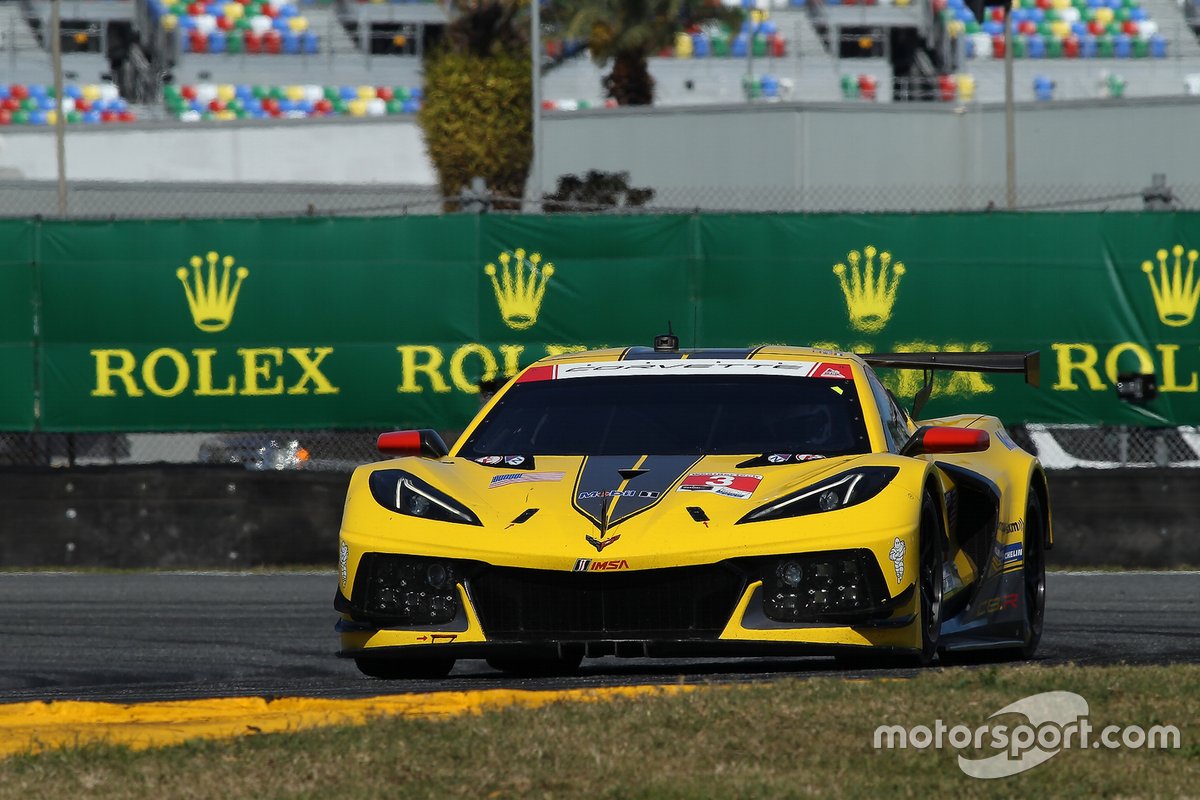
pixel 593 565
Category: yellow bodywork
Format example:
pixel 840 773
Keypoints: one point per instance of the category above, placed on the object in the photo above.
pixel 666 535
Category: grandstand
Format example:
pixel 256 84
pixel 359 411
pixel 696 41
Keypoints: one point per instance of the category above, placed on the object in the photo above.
pixel 305 58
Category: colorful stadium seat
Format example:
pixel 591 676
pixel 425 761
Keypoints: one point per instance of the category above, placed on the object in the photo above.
pixel 207 101
pixel 35 104
pixel 244 26
pixel 1059 29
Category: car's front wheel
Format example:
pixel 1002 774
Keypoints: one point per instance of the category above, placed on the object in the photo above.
pixel 931 547
pixel 391 669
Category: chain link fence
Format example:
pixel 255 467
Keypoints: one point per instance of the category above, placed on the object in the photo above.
pixel 174 200
pixel 1058 446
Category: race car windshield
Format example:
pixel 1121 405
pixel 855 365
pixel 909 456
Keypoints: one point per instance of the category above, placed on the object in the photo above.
pixel 701 415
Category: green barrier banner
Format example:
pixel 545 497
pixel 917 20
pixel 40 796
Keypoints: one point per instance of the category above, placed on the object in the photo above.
pixel 18 300
pixel 321 323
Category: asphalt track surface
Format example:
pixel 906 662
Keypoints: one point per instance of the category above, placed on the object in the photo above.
pixel 168 636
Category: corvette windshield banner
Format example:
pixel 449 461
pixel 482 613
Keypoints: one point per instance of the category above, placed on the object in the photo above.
pixel 389 322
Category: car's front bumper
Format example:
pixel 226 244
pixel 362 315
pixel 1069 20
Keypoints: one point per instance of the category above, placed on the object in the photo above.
pixel 745 631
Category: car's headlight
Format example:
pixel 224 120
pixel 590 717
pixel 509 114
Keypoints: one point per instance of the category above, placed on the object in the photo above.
pixel 840 491
pixel 397 490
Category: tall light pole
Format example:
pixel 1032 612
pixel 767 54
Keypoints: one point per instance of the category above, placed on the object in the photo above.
pixel 1010 127
pixel 535 58
pixel 60 122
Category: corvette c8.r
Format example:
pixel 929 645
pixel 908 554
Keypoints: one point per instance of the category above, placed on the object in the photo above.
pixel 652 502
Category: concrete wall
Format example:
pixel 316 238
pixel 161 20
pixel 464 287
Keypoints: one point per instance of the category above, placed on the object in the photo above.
pixel 768 157
pixel 215 517
pixel 839 156
pixel 187 517
pixel 299 151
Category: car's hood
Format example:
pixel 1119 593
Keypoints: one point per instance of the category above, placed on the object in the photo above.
pixel 556 506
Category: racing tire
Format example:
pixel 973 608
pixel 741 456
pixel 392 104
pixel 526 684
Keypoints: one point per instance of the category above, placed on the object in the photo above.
pixel 931 550
pixel 536 667
pixel 391 669
pixel 1033 573
pixel 932 556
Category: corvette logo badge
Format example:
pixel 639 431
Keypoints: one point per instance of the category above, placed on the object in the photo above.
pixel 600 544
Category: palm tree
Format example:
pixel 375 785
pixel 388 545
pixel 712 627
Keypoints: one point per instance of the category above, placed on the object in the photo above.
pixel 627 31
pixel 478 93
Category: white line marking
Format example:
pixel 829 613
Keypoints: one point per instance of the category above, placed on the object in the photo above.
pixel 1088 573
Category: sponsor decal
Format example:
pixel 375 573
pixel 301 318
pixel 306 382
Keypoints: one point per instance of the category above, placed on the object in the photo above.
pixel 896 554
pixel 643 493
pixel 434 638
pixel 509 478
pixel 951 580
pixel 591 565
pixel 600 544
pixel 691 366
pixel 343 560
pixel 840 371
pixel 520 286
pixel 513 462
pixel 869 294
pixel 1012 527
pixel 700 366
pixel 1013 555
pixel 798 458
pixel 775 459
pixel 994 604
pixel 612 489
pixel 727 484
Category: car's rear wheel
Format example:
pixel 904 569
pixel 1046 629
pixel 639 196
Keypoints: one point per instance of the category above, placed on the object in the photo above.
pixel 931 547
pixel 1034 575
pixel 533 667
pixel 391 669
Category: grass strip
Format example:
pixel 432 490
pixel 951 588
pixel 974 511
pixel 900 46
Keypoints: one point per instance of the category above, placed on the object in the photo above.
pixel 792 738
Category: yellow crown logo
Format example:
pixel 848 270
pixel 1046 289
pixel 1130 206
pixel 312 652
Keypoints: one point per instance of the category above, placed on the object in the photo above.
pixel 520 286
pixel 210 298
pixel 869 296
pixel 1175 294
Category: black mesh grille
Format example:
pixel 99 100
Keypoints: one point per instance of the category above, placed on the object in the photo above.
pixel 683 603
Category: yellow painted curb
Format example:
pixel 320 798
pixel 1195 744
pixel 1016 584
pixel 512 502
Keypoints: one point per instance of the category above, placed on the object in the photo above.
pixel 34 727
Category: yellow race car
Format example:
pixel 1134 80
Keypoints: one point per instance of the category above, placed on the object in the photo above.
pixel 652 502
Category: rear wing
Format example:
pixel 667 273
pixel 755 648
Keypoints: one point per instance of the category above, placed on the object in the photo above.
pixel 1027 364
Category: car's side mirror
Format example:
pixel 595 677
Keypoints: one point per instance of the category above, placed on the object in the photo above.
pixel 934 439
pixel 425 443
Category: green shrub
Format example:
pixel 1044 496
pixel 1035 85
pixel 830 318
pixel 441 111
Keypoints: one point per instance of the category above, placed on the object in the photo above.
pixel 477 120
